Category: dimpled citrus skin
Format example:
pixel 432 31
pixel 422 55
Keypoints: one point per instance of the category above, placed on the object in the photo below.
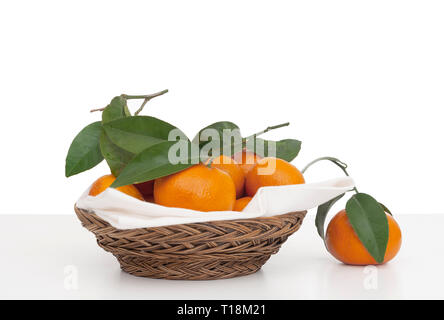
pixel 197 188
pixel 241 203
pixel 284 174
pixel 231 167
pixel 105 181
pixel 343 243
pixel 246 160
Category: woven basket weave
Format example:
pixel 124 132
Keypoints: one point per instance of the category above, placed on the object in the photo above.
pixel 195 251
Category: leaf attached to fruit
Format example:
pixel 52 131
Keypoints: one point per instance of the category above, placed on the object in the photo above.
pixel 370 223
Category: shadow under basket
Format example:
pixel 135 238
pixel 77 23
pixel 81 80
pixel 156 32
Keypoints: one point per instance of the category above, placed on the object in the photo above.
pixel 195 251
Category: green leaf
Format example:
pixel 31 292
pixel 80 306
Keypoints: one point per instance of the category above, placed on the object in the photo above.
pixel 219 127
pixel 116 157
pixel 218 138
pixel 286 149
pixel 152 163
pixel 385 209
pixel 322 212
pixel 369 221
pixel 84 152
pixel 126 111
pixel 117 109
pixel 135 134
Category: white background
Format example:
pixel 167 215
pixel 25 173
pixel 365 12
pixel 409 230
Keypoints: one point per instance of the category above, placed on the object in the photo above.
pixel 358 80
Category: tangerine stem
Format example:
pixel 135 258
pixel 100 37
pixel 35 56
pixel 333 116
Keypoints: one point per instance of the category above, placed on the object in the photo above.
pixel 145 96
pixel 271 128
pixel 336 161
pixel 244 140
pixel 266 130
pixel 99 109
pixel 141 107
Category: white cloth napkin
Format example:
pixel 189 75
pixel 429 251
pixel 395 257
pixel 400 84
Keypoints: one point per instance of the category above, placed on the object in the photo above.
pixel 125 212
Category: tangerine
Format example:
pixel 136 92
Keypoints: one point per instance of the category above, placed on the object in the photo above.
pixel 198 188
pixel 241 203
pixel 343 243
pixel 231 167
pixel 105 181
pixel 246 160
pixel 272 172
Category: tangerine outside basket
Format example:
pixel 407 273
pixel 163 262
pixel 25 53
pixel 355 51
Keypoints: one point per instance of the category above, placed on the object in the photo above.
pixel 195 251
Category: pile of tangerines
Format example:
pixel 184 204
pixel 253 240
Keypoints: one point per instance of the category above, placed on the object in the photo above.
pixel 224 183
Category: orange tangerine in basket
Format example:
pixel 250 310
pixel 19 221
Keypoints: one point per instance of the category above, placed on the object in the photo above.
pixel 231 167
pixel 343 243
pixel 198 188
pixel 271 172
pixel 105 181
pixel 246 160
pixel 241 203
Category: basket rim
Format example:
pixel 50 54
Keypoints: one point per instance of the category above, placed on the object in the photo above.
pixel 246 220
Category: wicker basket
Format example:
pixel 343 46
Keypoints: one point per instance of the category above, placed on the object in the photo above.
pixel 195 251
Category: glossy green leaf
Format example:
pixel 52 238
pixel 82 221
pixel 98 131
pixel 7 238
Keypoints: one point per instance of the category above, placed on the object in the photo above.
pixel 322 212
pixel 286 149
pixel 117 109
pixel 116 157
pixel 385 209
pixel 84 152
pixel 222 137
pixel 219 127
pixel 135 134
pixel 152 163
pixel 369 221
pixel 126 111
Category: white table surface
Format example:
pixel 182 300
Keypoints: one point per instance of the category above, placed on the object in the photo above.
pixel 37 251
